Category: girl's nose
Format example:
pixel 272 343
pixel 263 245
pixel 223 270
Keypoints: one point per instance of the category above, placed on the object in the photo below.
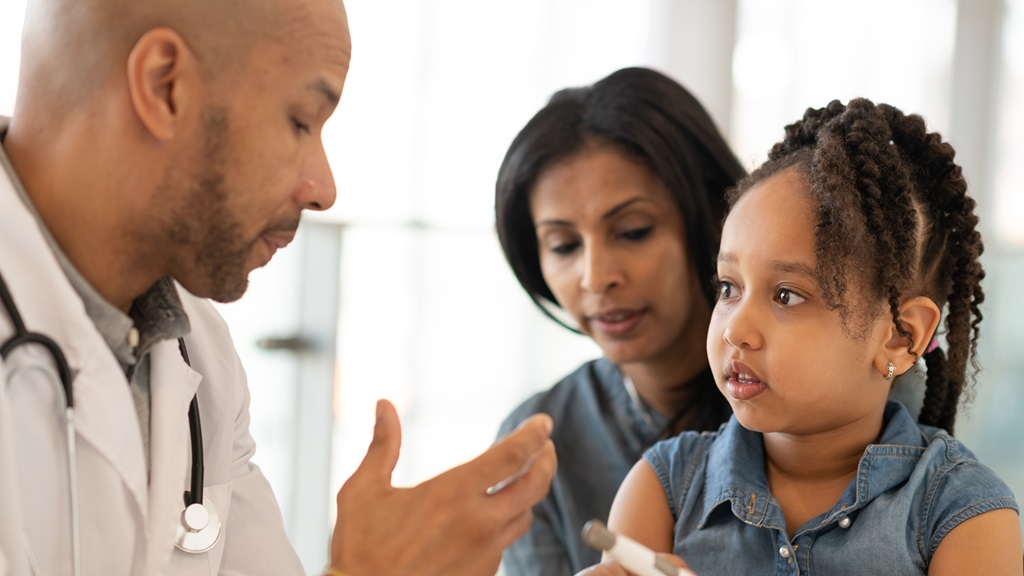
pixel 741 327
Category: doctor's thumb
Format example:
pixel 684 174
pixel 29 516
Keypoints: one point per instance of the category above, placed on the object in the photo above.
pixel 382 455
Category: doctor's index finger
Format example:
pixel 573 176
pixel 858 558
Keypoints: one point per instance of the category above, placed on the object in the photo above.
pixel 512 456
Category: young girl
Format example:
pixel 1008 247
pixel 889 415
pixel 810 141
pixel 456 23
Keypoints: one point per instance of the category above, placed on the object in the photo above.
pixel 838 259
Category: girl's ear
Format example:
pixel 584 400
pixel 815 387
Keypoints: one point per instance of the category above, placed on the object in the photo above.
pixel 920 317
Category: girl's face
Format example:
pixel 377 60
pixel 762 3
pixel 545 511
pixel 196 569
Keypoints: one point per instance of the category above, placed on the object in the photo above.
pixel 613 251
pixel 784 360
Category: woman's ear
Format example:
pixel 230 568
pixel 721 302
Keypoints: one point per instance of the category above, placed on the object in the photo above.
pixel 163 79
pixel 920 317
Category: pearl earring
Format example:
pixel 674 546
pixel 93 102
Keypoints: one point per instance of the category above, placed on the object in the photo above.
pixel 892 370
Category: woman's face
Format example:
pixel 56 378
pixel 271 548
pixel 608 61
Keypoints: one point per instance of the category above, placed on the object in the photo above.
pixel 614 253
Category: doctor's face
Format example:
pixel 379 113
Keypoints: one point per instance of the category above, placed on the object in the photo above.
pixel 260 160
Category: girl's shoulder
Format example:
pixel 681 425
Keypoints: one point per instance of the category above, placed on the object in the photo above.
pixel 932 477
pixel 954 485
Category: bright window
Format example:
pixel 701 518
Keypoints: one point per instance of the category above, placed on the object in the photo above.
pixel 795 54
pixel 1009 171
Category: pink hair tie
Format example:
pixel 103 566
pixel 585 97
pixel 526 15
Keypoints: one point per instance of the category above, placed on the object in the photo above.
pixel 932 345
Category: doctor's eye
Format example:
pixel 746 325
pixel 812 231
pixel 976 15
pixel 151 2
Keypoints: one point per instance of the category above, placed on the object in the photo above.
pixel 300 127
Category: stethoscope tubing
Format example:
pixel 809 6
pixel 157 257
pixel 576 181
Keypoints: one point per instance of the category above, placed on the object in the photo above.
pixel 23 336
pixel 76 550
pixel 195 429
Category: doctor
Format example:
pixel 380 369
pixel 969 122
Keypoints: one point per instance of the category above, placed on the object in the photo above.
pixel 158 152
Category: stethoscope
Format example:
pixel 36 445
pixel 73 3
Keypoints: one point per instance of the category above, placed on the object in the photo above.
pixel 200 526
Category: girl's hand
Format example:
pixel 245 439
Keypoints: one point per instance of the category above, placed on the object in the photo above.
pixel 611 568
pixel 607 568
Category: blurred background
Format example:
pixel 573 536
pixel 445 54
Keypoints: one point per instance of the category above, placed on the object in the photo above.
pixel 401 291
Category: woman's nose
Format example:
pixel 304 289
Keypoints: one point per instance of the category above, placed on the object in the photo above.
pixel 601 269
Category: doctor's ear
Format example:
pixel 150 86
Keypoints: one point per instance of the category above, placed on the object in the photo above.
pixel 920 318
pixel 164 80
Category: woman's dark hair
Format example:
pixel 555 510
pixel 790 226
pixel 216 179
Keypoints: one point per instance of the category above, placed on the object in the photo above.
pixel 892 213
pixel 642 113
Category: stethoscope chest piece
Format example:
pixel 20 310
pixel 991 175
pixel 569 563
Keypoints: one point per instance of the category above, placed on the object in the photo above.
pixel 199 528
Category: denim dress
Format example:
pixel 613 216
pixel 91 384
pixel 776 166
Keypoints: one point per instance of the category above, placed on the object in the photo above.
pixel 912 487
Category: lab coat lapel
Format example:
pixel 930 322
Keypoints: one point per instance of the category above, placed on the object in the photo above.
pixel 104 410
pixel 172 385
pixel 106 417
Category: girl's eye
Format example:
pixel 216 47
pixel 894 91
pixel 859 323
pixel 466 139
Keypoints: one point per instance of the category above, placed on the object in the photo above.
pixel 725 290
pixel 637 233
pixel 787 297
pixel 300 127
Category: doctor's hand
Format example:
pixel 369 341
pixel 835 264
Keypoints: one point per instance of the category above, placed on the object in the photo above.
pixel 449 524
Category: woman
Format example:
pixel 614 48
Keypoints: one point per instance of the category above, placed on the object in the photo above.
pixel 609 206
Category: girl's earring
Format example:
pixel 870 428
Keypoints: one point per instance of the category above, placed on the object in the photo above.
pixel 892 370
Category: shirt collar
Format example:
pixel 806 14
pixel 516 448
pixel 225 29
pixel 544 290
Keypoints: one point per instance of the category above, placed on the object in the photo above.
pixel 736 470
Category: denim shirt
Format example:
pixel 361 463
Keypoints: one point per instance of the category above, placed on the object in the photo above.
pixel 911 489
pixel 599 434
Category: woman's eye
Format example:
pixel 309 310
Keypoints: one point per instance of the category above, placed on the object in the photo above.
pixel 300 127
pixel 637 233
pixel 563 249
pixel 787 297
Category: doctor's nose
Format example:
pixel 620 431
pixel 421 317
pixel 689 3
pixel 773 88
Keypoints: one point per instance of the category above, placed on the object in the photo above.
pixel 316 190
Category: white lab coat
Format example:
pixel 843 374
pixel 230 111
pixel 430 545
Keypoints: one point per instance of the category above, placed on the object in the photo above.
pixel 127 524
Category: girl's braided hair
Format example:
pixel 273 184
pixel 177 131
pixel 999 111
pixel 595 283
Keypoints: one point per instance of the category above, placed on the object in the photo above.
pixel 892 215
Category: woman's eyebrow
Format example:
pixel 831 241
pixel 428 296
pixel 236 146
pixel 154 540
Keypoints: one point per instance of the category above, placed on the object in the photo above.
pixel 606 216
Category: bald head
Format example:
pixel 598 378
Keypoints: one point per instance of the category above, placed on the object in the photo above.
pixel 112 133
pixel 72 49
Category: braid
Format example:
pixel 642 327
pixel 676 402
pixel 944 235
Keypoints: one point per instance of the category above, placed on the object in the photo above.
pixel 804 133
pixel 934 410
pixel 892 215
pixel 950 270
pixel 856 160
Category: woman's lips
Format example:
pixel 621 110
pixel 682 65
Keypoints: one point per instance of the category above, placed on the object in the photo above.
pixel 616 323
pixel 741 382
